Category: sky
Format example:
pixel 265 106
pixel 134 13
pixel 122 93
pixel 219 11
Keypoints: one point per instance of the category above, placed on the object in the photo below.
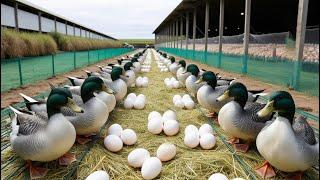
pixel 121 19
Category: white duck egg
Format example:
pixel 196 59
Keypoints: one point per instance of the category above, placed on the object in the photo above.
pixel 142 96
pixel 191 139
pixel 207 141
pixel 170 85
pixel 189 104
pixel 186 97
pixel 115 129
pixel 173 79
pixel 98 175
pixel 166 151
pixel 169 114
pixel 171 127
pixel 139 103
pixel 238 178
pixel 137 157
pixel 176 84
pixel 204 129
pixel 218 176
pixel 128 136
pixel 113 143
pixel 176 97
pixel 179 103
pixel 154 114
pixel 155 127
pixel 132 96
pixel 191 128
pixel 151 168
pixel 128 103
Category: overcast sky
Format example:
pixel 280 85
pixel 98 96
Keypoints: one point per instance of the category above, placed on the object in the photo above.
pixel 122 19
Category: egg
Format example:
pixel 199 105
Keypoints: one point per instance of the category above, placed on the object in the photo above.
pixel 139 103
pixel 207 141
pixel 128 103
pixel 144 83
pixel 186 97
pixel 146 78
pixel 189 104
pixel 171 127
pixel 238 178
pixel 170 85
pixel 128 137
pixel 176 84
pixel 151 168
pixel 142 96
pixel 166 151
pixel 191 128
pixel 179 103
pixel 169 114
pixel 155 127
pixel 154 114
pixel 218 176
pixel 172 79
pixel 115 129
pixel 137 157
pixel 204 129
pixel 113 143
pixel 98 175
pixel 191 139
pixel 132 96
pixel 176 97
pixel 166 80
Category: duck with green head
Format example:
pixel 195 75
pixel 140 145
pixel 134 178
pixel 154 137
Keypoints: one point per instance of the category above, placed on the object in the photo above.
pixel 45 138
pixel 117 84
pixel 130 76
pixel 182 68
pixel 136 65
pixel 191 85
pixel 238 117
pixel 286 144
pixel 173 66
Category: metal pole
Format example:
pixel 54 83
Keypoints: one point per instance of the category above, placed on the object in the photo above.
pixel 88 56
pixel 206 30
pixel 74 30
pixel 300 38
pixel 52 60
pixel 181 31
pixel 221 26
pixel 55 24
pixel 16 16
pixel 74 60
pixel 66 28
pixel 194 29
pixel 20 71
pixel 187 30
pixel 177 34
pixel 39 19
pixel 246 36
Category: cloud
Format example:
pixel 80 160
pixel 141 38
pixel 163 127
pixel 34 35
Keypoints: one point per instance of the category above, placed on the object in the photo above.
pixel 117 18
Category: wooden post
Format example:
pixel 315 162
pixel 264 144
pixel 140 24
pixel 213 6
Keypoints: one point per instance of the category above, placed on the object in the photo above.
pixel 177 34
pixel 181 31
pixel 221 26
pixel 66 28
pixel 55 24
pixel 206 30
pixel 246 35
pixel 39 19
pixel 74 30
pixel 300 38
pixel 187 30
pixel 16 16
pixel 194 29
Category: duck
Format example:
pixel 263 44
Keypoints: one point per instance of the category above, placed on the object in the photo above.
pixel 286 143
pixel 238 118
pixel 36 138
pixel 117 84
pixel 173 67
pixel 180 76
pixel 136 65
pixel 130 76
pixel 193 72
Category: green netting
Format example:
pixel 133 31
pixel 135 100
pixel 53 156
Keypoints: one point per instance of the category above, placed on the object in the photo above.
pixel 18 71
pixel 303 76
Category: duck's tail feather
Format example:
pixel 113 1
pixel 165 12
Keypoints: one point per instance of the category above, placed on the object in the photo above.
pixel 89 73
pixel 27 98
pixel 72 79
pixel 256 91
pixel 16 111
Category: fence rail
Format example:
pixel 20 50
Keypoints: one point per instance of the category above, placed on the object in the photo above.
pixel 20 71
pixel 271 70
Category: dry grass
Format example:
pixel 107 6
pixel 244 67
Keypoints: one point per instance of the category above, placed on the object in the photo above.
pixel 188 163
pixel 19 44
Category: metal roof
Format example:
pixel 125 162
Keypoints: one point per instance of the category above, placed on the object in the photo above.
pixel 31 5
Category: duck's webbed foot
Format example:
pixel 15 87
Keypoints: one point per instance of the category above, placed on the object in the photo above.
pixel 265 170
pixel 67 159
pixel 242 147
pixel 296 176
pixel 234 140
pixel 84 139
pixel 36 172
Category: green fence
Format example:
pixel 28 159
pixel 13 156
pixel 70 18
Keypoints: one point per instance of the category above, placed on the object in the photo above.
pixel 302 76
pixel 19 71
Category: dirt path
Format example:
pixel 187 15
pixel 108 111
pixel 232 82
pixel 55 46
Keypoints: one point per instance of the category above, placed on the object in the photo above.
pixel 12 96
pixel 304 102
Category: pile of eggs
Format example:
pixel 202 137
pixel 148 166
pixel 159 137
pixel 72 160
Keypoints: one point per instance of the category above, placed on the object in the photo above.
pixel 203 136
pixel 167 122
pixel 162 67
pixel 183 102
pixel 151 166
pixel 142 81
pixel 134 101
pixel 117 137
pixel 172 83
pixel 98 175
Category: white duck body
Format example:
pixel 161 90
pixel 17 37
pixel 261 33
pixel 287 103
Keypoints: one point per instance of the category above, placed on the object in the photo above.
pixel 191 86
pixel 173 68
pixel 284 149
pixel 131 79
pixel 94 117
pixel 137 67
pixel 119 87
pixel 182 77
pixel 207 96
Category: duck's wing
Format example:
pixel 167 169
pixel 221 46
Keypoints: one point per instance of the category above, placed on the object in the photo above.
pixel 34 105
pixel 75 90
pixel 28 123
pixel 303 130
pixel 76 81
pixel 66 111
pixel 251 110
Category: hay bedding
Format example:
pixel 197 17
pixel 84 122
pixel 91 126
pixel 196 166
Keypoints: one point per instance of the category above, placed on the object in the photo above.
pixel 187 164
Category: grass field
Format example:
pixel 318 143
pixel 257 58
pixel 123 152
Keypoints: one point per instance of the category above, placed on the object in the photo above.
pixel 138 41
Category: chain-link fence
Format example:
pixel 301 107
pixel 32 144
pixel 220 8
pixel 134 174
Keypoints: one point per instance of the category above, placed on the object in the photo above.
pixel 19 71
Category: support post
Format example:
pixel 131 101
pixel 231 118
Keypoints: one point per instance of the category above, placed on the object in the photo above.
pixel 187 30
pixel 74 30
pixel 300 38
pixel 221 26
pixel 16 16
pixel 194 32
pixel 66 28
pixel 247 15
pixel 20 71
pixel 181 31
pixel 39 19
pixel 55 24
pixel 206 31
pixel 52 61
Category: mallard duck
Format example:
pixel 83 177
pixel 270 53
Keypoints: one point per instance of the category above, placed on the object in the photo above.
pixel 238 118
pixel 180 76
pixel 130 76
pixel 136 65
pixel 193 72
pixel 35 138
pixel 285 145
pixel 117 84
pixel 174 66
